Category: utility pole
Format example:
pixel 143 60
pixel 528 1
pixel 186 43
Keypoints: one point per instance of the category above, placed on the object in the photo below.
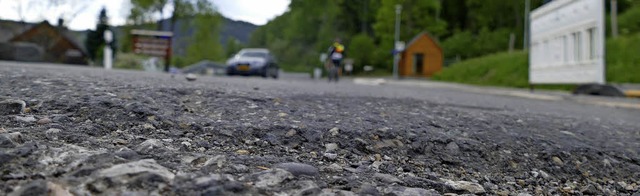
pixel 527 7
pixel 396 57
pixel 614 18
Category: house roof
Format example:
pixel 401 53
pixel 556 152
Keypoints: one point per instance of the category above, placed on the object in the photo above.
pixel 417 37
pixel 63 32
pixel 9 29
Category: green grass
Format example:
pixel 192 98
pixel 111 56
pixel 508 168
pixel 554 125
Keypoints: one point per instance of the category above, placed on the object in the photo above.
pixel 623 59
pixel 502 69
pixel 511 69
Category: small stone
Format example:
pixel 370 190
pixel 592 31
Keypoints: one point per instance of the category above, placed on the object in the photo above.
pixel 330 156
pixel 334 131
pixel 26 119
pixel 270 178
pixel 453 148
pixel 120 142
pixel 141 166
pixel 557 161
pixel 291 133
pixel 298 169
pixel 149 145
pixel 535 174
pixel 606 163
pixel 191 77
pixel 386 178
pixel 521 183
pixel 544 174
pixel 12 107
pixel 242 152
pixel 524 194
pixel 282 114
pixel 44 121
pixel 10 140
pixel 331 147
pixel 240 168
pixel 148 126
pixel 473 188
pixel 52 133
pixel 334 168
pixel 57 190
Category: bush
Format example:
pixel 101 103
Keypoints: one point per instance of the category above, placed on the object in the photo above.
pixel 361 51
pixel 128 61
pixel 629 21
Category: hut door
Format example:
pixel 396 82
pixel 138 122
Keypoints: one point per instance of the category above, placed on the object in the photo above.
pixel 418 62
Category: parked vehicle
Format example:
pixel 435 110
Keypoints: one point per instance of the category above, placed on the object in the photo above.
pixel 253 61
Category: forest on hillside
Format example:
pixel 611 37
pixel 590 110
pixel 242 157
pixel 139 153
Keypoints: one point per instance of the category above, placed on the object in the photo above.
pixel 464 28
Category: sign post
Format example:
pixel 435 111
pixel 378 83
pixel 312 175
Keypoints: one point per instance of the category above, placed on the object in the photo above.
pixel 153 43
pixel 108 51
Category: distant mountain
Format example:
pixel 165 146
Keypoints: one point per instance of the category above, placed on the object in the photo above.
pixel 239 30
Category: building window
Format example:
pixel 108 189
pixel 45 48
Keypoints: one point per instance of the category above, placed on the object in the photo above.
pixel 592 43
pixel 565 49
pixel 577 47
pixel 418 62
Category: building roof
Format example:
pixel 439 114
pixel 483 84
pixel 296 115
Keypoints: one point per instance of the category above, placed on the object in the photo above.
pixel 417 37
pixel 63 32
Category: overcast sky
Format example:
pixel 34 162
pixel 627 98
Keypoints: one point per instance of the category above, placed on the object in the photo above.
pixel 85 12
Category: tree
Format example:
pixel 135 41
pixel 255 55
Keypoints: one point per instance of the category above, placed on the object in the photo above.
pixel 360 49
pixel 95 39
pixel 205 44
pixel 232 47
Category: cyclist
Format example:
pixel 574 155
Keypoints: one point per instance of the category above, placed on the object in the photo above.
pixel 336 54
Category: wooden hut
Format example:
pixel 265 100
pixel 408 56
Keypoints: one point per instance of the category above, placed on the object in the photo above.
pixel 422 57
pixel 58 43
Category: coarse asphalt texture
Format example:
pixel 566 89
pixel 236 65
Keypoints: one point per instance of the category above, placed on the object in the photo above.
pixel 87 131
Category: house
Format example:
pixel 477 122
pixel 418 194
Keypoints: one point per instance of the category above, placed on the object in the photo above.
pixel 422 57
pixel 58 44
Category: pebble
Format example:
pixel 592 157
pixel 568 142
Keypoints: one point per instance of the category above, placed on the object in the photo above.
pixel 453 148
pixel 242 152
pixel 271 177
pixel 291 133
pixel 298 169
pixel 331 156
pixel 12 107
pixel 122 171
pixel 26 119
pixel 386 178
pixel 334 131
pixel 331 147
pixel 44 121
pixel 191 77
pixel 470 187
pixel 334 168
pixel 282 114
pixel 557 161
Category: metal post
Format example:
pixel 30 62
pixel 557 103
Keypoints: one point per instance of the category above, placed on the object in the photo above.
pixel 396 40
pixel 108 53
pixel 614 18
pixel 527 8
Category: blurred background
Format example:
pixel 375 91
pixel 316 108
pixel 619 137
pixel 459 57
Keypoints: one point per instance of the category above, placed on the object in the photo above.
pixel 480 41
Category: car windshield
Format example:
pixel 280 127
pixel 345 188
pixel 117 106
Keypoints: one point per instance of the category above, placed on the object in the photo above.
pixel 254 54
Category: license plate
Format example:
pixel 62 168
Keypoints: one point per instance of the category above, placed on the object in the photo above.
pixel 243 67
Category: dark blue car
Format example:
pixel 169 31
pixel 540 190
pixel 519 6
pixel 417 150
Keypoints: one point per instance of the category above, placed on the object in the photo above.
pixel 253 61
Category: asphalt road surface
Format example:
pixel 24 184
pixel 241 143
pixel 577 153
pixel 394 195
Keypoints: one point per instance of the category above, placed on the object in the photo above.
pixel 86 131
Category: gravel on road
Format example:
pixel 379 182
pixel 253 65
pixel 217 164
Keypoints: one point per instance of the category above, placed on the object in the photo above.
pixel 79 131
